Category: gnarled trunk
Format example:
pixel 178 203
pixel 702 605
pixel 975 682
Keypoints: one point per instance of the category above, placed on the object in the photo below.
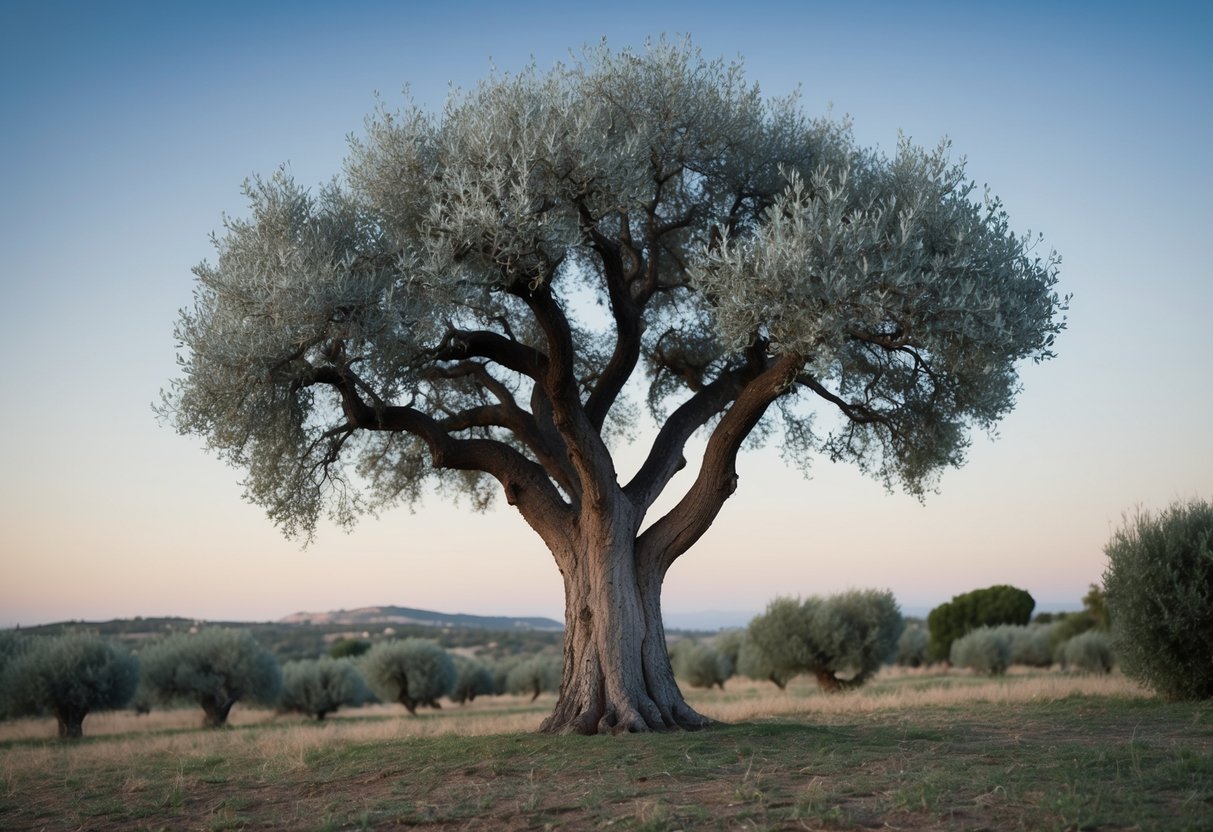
pixel 617 675
pixel 216 711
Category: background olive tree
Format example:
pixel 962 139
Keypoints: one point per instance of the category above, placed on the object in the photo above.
pixel 215 667
pixel 472 678
pixel 319 687
pixel 432 319
pixel 1159 595
pixel 700 665
pixel 68 676
pixel 841 639
pixel 415 672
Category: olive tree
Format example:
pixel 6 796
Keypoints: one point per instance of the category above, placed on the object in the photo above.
pixel 700 665
pixel 984 650
pixel 318 687
pixel 69 676
pixel 468 305
pixel 215 667
pixel 1159 594
pixel 842 639
pixel 473 678
pixel 412 671
pixel 533 675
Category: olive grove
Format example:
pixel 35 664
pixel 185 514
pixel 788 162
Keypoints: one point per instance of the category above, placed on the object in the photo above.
pixel 477 301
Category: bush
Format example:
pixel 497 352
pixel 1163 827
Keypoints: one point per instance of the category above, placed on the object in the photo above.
pixel 985 650
pixel 912 646
pixel 215 667
pixel 699 665
pixel 535 675
pixel 1031 644
pixel 1159 597
pixel 842 639
pixel 69 676
pixel 473 678
pixel 988 607
pixel 413 672
pixel 1090 652
pixel 318 687
pixel 728 643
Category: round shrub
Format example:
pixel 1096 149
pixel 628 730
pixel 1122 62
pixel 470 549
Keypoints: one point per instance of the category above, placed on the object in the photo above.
pixel 473 678
pixel 318 687
pixel 534 675
pixel 912 646
pixel 1159 595
pixel 215 667
pixel 1089 652
pixel 985 650
pixel 68 676
pixel 1031 644
pixel 842 639
pixel 413 672
pixel 699 665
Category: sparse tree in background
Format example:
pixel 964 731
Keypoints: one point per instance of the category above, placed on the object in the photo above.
pixel 1159 595
pixel 1090 652
pixel 700 665
pixel 912 645
pixel 215 667
pixel 432 316
pixel 984 650
pixel 755 664
pixel 728 643
pixel 319 687
pixel 69 676
pixel 842 639
pixel 473 678
pixel 988 607
pixel 534 675
pixel 412 671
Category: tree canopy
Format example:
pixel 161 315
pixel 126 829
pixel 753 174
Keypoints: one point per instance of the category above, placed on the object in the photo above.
pixel 482 296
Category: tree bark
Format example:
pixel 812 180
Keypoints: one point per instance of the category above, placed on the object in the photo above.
pixel 216 712
pixel 71 723
pixel 617 676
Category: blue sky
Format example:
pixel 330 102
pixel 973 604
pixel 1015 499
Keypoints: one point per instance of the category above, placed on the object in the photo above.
pixel 128 128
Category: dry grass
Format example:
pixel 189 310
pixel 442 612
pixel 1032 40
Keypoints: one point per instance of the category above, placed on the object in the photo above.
pixel 899 689
pixel 910 750
pixel 284 741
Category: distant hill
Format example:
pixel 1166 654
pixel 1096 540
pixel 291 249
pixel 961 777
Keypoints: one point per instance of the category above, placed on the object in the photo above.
pixel 406 615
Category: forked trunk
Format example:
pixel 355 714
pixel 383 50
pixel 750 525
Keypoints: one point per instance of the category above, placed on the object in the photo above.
pixel 617 675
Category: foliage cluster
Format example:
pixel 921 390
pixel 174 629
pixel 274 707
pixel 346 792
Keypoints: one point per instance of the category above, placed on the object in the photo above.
pixel 318 687
pixel 215 667
pixel 988 607
pixel 67 676
pixel 1159 589
pixel 700 665
pixel 841 639
pixel 414 672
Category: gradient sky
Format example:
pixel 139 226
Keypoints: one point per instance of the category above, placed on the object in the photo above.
pixel 128 128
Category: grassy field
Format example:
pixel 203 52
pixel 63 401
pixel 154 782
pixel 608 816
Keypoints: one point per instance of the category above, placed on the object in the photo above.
pixel 909 751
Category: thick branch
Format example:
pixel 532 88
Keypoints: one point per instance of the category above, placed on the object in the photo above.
pixel 678 530
pixel 628 328
pixel 588 454
pixel 526 484
pixel 665 458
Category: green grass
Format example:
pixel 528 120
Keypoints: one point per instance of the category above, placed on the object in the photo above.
pixel 1076 763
